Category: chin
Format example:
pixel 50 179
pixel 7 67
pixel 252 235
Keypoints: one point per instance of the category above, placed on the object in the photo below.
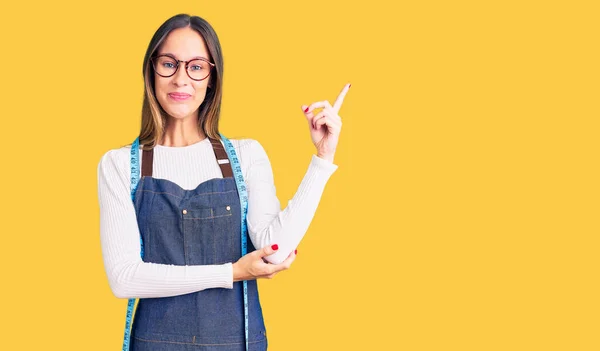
pixel 178 115
pixel 181 114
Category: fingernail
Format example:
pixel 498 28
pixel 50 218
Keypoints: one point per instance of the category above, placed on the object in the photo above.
pixel 274 247
pixel 295 252
pixel 349 85
pixel 306 110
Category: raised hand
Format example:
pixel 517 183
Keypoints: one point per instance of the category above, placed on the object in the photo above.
pixel 326 125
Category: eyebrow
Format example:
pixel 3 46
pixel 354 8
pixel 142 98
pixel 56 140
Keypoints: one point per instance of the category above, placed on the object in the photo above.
pixel 193 58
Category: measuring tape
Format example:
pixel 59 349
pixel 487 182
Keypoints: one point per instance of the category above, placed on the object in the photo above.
pixel 243 193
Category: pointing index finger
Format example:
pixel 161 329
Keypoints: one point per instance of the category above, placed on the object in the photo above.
pixel 338 102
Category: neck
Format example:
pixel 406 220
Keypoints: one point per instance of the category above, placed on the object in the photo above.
pixel 180 133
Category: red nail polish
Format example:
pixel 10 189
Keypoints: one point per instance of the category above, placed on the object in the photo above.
pixel 274 246
pixel 349 85
pixel 295 252
pixel 306 110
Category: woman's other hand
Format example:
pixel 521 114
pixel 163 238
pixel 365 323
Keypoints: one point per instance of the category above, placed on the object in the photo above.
pixel 253 266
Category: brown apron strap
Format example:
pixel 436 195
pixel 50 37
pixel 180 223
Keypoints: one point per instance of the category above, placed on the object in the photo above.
pixel 220 153
pixel 222 158
pixel 147 158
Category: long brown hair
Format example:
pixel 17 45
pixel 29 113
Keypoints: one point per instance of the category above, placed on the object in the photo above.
pixel 153 115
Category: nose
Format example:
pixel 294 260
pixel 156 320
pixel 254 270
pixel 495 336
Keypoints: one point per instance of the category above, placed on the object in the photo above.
pixel 181 78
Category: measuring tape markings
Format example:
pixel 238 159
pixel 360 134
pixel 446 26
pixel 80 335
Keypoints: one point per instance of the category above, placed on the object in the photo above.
pixel 135 176
pixel 243 193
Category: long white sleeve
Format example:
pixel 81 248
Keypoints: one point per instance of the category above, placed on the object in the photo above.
pixel 189 166
pixel 128 275
pixel 267 223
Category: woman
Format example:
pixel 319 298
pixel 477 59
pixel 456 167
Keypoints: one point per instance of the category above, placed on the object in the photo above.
pixel 177 245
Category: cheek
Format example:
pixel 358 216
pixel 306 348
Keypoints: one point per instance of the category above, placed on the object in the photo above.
pixel 159 88
pixel 200 93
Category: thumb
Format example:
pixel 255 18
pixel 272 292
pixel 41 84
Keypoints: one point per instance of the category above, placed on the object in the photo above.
pixel 268 250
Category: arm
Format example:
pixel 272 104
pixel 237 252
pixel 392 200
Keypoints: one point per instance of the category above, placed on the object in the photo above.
pixel 267 223
pixel 128 275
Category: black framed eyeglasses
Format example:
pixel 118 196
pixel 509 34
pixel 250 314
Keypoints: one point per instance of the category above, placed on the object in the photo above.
pixel 166 66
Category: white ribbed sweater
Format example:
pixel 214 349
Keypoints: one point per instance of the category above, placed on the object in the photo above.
pixel 188 166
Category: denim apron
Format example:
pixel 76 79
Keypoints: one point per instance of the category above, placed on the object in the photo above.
pixel 194 227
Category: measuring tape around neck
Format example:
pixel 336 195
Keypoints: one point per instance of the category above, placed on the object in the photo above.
pixel 135 177
pixel 243 193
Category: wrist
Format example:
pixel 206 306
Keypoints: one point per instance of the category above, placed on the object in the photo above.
pixel 236 275
pixel 327 157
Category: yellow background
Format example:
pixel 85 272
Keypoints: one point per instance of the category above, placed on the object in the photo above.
pixel 463 215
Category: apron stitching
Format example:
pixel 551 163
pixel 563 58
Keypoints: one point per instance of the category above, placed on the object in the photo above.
pixel 219 216
pixel 216 192
pixel 161 192
pixel 193 343
pixel 185 250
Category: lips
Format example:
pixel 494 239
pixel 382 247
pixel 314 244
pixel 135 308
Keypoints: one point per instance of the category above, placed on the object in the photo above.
pixel 179 96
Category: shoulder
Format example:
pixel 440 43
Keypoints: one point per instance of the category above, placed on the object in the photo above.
pixel 115 161
pixel 248 148
pixel 252 155
pixel 243 143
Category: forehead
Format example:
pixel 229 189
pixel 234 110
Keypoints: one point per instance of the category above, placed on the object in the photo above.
pixel 184 43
